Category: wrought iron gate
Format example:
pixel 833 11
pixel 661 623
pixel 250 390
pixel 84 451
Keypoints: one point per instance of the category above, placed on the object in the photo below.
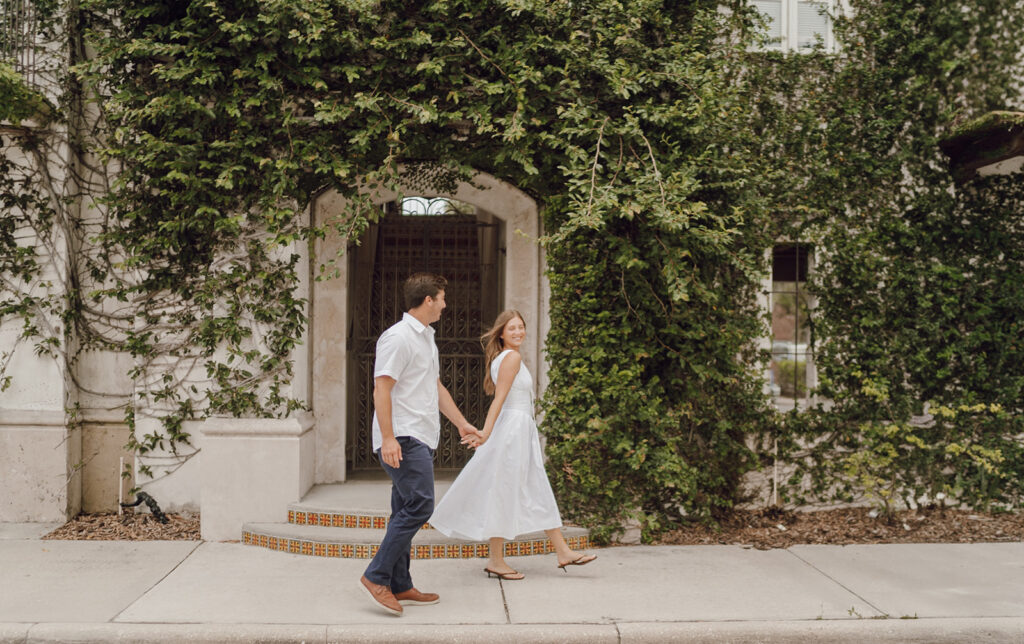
pixel 464 251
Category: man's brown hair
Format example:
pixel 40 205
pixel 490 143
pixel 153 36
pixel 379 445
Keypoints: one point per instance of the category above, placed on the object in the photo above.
pixel 420 286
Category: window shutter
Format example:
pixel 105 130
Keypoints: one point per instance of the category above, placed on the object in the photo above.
pixel 772 10
pixel 811 21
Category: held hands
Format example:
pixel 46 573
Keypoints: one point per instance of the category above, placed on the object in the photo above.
pixel 471 436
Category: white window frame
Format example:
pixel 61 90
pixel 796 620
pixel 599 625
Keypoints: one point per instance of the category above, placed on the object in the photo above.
pixel 790 29
pixel 767 302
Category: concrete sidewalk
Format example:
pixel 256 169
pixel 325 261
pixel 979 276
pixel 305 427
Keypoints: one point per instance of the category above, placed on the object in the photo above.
pixel 103 591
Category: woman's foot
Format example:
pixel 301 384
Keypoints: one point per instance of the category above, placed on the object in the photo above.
pixel 575 559
pixel 503 571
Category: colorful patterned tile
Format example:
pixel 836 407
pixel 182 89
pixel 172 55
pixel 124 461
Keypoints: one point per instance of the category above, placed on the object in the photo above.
pixel 362 552
pixel 379 523
pixel 333 550
pixel 347 550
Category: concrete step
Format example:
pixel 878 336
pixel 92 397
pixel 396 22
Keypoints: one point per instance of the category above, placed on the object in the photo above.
pixel 364 503
pixel 362 543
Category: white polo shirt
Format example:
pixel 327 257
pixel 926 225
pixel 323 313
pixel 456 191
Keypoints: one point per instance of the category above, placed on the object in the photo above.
pixel 407 352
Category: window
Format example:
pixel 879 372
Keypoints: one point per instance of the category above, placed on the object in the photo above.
pixel 795 25
pixel 18 46
pixel 791 373
pixel 435 206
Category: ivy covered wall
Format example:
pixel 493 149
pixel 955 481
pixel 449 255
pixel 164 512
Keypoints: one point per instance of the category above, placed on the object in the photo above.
pixel 917 278
pixel 668 152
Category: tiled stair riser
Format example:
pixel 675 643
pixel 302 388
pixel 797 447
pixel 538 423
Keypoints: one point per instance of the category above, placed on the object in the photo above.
pixel 338 520
pixel 432 551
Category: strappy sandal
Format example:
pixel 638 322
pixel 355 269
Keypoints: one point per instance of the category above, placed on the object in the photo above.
pixel 582 560
pixel 506 576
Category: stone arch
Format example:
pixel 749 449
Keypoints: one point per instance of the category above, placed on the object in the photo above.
pixel 525 289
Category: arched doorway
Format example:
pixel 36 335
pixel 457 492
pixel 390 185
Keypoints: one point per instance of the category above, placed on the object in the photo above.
pixel 443 236
pixel 521 285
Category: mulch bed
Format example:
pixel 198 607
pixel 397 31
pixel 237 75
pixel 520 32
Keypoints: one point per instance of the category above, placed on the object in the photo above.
pixel 761 529
pixel 777 528
pixel 128 527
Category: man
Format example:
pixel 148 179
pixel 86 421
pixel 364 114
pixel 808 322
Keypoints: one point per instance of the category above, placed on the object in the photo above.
pixel 407 396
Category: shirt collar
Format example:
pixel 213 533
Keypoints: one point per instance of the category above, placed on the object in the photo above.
pixel 416 325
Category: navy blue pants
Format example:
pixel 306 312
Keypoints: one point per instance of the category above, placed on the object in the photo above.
pixel 412 503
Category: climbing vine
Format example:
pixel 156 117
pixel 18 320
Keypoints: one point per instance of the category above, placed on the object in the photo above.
pixel 25 230
pixel 918 296
pixel 668 151
pixel 227 120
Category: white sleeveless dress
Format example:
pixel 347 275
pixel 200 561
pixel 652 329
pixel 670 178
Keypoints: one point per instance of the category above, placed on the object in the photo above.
pixel 503 491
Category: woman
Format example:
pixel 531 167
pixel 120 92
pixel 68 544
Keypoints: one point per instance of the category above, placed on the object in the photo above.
pixel 503 491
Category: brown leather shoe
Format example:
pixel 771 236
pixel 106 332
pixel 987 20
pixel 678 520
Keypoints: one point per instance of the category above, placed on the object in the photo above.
pixel 381 596
pixel 413 597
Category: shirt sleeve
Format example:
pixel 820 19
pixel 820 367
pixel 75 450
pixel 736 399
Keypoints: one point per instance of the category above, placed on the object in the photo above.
pixel 392 356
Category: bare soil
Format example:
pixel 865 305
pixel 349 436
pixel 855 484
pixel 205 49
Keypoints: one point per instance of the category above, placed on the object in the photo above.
pixel 761 529
pixel 128 527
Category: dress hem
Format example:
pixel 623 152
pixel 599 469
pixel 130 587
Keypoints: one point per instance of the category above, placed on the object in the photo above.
pixel 454 534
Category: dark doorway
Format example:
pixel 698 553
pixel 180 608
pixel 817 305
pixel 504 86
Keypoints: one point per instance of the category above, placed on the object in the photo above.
pixel 464 247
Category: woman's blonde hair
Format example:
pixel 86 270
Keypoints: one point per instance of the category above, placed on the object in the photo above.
pixel 493 344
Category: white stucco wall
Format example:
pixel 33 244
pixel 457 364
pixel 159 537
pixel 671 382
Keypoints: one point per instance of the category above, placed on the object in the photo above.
pixel 40 457
pixel 38 480
pixel 174 478
pixel 1009 166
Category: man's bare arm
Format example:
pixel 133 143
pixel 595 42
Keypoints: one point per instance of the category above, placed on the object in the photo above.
pixel 451 411
pixel 390 450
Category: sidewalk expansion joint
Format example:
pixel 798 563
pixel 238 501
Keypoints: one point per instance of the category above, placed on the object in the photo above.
pixel 504 601
pixel 113 620
pixel 839 583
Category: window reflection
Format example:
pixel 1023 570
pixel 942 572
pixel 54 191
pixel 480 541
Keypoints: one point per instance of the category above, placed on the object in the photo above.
pixel 791 367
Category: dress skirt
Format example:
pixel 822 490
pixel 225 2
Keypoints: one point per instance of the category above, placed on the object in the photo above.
pixel 503 491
